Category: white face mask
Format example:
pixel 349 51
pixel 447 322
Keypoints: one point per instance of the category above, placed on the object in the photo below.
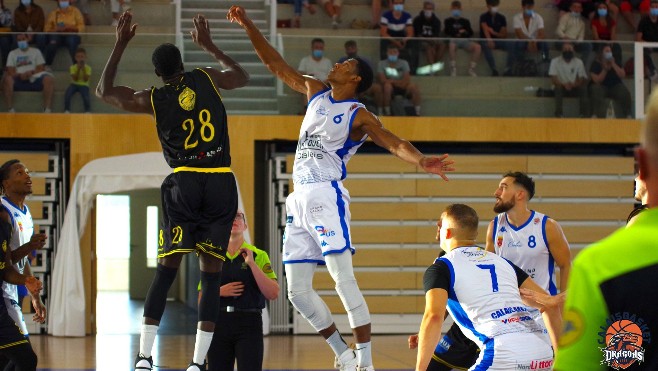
pixel 494 9
pixel 428 13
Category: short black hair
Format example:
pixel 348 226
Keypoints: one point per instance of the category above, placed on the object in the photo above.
pixel 493 2
pixel 4 172
pixel 392 46
pixel 456 4
pixel 351 43
pixel 524 181
pixel 167 60
pixel 317 40
pixel 527 2
pixel 365 73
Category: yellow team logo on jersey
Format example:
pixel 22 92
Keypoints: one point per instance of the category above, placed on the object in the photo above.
pixel 186 99
pixel 4 245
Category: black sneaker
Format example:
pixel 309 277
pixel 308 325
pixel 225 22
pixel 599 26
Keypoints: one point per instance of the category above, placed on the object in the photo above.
pixel 196 367
pixel 143 363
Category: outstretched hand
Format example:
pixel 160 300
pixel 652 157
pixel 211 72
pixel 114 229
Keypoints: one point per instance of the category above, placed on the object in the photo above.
pixel 201 32
pixel 125 31
pixel 437 165
pixel 237 14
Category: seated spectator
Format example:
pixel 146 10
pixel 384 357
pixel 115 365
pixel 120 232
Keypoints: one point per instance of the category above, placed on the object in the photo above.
pixel 28 18
pixel 66 23
pixel 316 64
pixel 588 7
pixel 529 27
pixel 571 28
pixel 396 27
pixel 118 7
pixel 607 82
pixel 427 25
pixel 493 28
pixel 393 74
pixel 374 94
pixel 80 74
pixel 647 31
pixel 25 72
pixel 569 79
pixel 5 28
pixel 298 5
pixel 459 30
pixel 332 7
pixel 627 7
pixel 604 28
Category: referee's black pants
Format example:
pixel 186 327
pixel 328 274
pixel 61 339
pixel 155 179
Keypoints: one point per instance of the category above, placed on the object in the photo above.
pixel 238 336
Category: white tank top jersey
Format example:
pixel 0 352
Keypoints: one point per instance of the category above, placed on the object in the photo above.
pixel 23 227
pixel 324 146
pixel 527 247
pixel 484 296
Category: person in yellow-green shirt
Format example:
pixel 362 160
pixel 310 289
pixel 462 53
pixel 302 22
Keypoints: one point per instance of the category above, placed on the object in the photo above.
pixel 610 319
pixel 247 282
pixel 65 23
pixel 80 74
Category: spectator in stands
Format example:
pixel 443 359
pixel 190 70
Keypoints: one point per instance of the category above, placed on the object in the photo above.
pixel 316 64
pixel 529 27
pixel 427 25
pixel 604 28
pixel 25 72
pixel 65 23
pixel 571 28
pixel 647 31
pixel 298 5
pixel 393 74
pixel 118 7
pixel 80 74
pixel 332 7
pixel 588 7
pixel 607 82
pixel 374 94
pixel 29 17
pixel 396 27
pixel 493 28
pixel 459 30
pixel 5 27
pixel 569 78
pixel 627 7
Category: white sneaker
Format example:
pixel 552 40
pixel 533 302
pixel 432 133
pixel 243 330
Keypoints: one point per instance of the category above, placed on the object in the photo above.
pixel 472 72
pixel 347 361
pixel 12 110
pixel 369 368
pixel 453 71
pixel 67 111
pixel 47 110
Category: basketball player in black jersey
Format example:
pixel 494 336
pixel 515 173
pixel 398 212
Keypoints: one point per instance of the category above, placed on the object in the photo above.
pixel 199 199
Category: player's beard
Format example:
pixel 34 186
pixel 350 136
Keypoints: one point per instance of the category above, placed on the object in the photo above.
pixel 503 207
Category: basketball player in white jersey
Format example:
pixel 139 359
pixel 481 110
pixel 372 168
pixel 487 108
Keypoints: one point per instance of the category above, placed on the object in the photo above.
pixel 527 238
pixel 16 184
pixel 318 215
pixel 481 292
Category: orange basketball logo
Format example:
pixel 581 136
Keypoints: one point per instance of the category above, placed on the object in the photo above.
pixel 624 345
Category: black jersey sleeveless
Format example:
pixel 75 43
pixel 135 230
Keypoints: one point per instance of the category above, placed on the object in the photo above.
pixel 191 122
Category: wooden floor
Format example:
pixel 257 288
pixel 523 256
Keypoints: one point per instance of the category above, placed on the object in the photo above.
pixel 117 342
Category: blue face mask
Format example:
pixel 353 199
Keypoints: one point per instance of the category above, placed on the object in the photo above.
pixel 607 55
pixel 653 12
pixel 602 12
pixel 63 4
pixel 22 44
pixel 575 14
pixel 392 58
pixel 529 12
pixel 317 53
pixel 26 2
pixel 456 13
pixel 398 7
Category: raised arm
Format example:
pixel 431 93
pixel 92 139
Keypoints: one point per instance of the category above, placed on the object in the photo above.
pixel 232 75
pixel 367 123
pixel 272 59
pixel 122 97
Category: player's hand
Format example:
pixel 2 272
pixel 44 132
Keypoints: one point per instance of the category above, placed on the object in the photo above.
pixel 125 31
pixel 437 165
pixel 38 241
pixel 238 15
pixel 413 341
pixel 201 32
pixel 33 285
pixel 231 289
pixel 248 255
pixel 39 308
pixel 543 301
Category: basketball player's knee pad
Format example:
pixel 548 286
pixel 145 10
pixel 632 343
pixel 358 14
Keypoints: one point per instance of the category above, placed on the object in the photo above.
pixel 209 304
pixel 156 298
pixel 312 308
pixel 353 301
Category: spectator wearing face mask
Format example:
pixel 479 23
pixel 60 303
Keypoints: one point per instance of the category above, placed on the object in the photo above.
pixel 394 75
pixel 571 27
pixel 569 78
pixel 316 64
pixel 607 82
pixel 529 28
pixel 493 28
pixel 396 27
pixel 374 93
pixel 604 28
pixel 459 30
pixel 29 17
pixel 428 26
pixel 65 22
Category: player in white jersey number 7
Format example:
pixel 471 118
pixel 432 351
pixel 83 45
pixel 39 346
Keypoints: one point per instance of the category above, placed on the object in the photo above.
pixel 318 216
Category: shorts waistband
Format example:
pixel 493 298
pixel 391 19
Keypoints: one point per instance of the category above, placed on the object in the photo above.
pixel 230 309
pixel 309 186
pixel 203 169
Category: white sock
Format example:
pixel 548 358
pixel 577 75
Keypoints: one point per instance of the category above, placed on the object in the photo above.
pixel 364 354
pixel 147 339
pixel 417 108
pixel 203 340
pixel 337 343
pixel 473 65
pixel 387 110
